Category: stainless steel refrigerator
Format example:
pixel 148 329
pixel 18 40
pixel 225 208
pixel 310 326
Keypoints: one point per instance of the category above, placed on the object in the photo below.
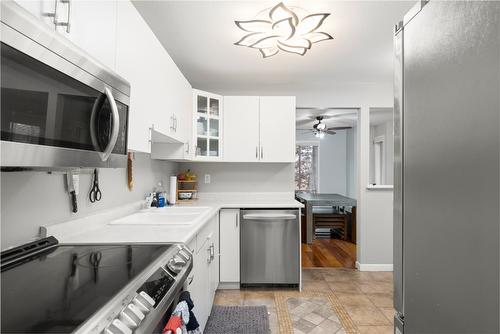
pixel 447 173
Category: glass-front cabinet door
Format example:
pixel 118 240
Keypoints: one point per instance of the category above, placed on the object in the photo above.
pixel 207 125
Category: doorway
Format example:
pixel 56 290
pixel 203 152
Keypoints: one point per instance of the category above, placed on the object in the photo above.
pixel 326 182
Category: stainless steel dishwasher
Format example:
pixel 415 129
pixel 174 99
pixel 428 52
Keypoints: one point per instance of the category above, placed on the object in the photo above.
pixel 270 247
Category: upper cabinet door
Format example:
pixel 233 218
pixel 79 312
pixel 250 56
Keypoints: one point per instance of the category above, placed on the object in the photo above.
pixel 161 97
pixel 92 24
pixel 207 125
pixel 277 128
pixel 92 27
pixel 241 128
pixel 43 9
pixel 135 60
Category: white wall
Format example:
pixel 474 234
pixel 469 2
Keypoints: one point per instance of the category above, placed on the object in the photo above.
pixel 375 213
pixel 244 177
pixel 332 161
pixel 352 163
pixel 32 199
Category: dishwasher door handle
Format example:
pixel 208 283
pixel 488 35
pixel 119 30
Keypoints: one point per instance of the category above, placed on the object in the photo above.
pixel 269 216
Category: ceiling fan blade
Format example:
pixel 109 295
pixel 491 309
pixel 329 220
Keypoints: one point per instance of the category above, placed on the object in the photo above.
pixel 330 132
pixel 339 128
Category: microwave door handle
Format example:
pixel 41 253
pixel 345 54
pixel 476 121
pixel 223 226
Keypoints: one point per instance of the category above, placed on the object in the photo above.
pixel 116 125
pixel 114 134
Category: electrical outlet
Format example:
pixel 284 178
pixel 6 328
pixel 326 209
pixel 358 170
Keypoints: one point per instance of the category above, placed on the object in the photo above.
pixel 207 178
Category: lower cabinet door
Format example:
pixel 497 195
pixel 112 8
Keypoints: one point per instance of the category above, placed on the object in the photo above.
pixel 199 288
pixel 230 246
pixel 214 264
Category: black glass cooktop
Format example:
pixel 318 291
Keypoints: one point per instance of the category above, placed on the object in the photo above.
pixel 57 291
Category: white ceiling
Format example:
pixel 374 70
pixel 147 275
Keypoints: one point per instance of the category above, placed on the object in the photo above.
pixel 199 36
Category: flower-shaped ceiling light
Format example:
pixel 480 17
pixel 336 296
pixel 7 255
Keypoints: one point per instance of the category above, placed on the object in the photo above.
pixel 281 29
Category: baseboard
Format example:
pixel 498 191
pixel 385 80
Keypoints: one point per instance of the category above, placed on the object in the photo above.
pixel 373 267
pixel 229 285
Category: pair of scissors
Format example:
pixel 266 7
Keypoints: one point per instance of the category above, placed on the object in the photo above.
pixel 95 259
pixel 95 193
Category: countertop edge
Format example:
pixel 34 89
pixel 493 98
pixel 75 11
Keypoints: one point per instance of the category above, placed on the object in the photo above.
pixel 66 234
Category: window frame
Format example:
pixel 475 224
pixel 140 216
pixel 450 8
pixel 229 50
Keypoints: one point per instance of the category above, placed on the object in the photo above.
pixel 311 143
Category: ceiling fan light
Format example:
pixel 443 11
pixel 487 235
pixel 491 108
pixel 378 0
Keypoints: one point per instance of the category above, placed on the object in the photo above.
pixel 321 126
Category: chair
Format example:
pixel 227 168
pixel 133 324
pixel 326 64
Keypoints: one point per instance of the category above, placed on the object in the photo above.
pixel 330 218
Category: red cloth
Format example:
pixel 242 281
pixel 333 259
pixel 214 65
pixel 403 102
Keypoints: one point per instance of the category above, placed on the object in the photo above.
pixel 173 324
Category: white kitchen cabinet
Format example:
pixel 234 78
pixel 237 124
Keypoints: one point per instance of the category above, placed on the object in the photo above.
pixel 200 286
pixel 92 27
pixel 205 270
pixel 161 97
pixel 207 125
pixel 241 128
pixel 230 248
pixel 268 124
pixel 215 262
pixel 42 9
pixel 92 24
pixel 277 128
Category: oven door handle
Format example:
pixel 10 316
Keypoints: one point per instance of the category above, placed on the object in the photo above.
pixel 116 125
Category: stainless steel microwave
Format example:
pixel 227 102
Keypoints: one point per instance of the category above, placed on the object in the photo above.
pixel 59 107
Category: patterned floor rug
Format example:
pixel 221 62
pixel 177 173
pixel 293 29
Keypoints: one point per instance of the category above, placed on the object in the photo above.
pixel 302 312
pixel 238 319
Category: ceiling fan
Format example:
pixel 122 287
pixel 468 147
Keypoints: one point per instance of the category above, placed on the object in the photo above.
pixel 319 129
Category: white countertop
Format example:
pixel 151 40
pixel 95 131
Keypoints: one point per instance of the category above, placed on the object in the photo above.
pixel 98 230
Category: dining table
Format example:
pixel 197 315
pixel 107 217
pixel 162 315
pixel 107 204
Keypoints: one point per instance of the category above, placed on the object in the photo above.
pixel 310 200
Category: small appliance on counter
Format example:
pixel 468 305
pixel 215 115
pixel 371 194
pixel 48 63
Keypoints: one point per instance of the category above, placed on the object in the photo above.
pixel 106 289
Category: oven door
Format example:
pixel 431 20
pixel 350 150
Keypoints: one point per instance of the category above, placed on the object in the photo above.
pixel 55 112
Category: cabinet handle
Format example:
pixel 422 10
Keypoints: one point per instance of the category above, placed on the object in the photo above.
pixel 54 14
pixel 175 123
pixel 212 252
pixel 187 147
pixel 67 23
pixel 262 152
pixel 237 218
pixel 190 279
pixel 256 152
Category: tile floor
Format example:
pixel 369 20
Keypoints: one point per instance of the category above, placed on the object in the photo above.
pixel 365 296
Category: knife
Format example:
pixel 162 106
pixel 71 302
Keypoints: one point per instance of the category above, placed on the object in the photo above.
pixel 72 192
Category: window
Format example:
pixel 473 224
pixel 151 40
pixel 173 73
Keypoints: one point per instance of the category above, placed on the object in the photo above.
pixel 306 167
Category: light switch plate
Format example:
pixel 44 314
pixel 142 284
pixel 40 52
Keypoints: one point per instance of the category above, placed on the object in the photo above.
pixel 207 178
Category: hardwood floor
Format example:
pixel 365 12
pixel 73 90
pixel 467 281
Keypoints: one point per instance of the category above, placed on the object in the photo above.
pixel 331 253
